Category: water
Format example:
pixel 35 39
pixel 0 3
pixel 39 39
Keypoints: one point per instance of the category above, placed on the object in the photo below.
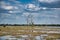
pixel 9 37
pixel 38 38
pixel 22 37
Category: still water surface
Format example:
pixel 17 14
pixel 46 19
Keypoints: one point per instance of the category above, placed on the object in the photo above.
pixel 22 37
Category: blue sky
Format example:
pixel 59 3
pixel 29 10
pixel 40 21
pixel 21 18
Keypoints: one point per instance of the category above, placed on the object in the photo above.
pixel 16 11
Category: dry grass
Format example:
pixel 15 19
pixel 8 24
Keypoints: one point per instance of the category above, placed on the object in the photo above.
pixel 19 30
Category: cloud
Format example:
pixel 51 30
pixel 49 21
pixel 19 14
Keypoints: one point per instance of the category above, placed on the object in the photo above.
pixel 8 7
pixel 26 14
pixel 17 17
pixel 12 8
pixel 44 12
pixel 5 15
pixel 36 8
pixel 23 10
pixel 48 16
pixel 32 7
pixel 15 11
pixel 48 1
pixel 17 2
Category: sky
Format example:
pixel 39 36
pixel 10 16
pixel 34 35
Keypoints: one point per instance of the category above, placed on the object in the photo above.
pixel 17 11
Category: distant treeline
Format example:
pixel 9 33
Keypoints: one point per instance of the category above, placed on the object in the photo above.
pixel 29 25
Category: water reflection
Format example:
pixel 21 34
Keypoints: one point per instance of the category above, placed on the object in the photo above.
pixel 8 37
pixel 41 37
pixel 22 37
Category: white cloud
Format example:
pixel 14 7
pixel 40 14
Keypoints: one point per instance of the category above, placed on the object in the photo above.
pixel 33 14
pixel 25 14
pixel 49 1
pixel 15 8
pixel 15 11
pixel 5 15
pixel 44 8
pixel 15 1
pixel 8 7
pixel 10 11
pixel 55 16
pixel 17 17
pixel 3 3
pixel 52 13
pixel 42 14
pixel 32 7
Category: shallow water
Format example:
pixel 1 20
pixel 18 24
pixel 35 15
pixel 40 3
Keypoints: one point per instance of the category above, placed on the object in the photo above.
pixel 9 37
pixel 23 37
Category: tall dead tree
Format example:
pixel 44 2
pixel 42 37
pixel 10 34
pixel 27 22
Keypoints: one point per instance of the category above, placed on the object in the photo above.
pixel 30 19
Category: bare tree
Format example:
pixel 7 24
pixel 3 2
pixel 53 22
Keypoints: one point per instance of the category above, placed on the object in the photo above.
pixel 30 19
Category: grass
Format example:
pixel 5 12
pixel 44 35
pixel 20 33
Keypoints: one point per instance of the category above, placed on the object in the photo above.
pixel 34 31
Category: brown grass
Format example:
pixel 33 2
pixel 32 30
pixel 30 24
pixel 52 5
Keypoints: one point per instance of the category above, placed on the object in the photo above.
pixel 19 30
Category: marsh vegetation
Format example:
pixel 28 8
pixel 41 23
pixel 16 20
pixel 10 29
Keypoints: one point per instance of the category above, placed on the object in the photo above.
pixel 29 33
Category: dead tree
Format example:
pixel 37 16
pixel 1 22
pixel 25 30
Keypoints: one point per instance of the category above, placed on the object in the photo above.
pixel 30 20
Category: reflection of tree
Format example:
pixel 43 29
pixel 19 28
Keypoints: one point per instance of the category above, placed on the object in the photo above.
pixel 50 39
